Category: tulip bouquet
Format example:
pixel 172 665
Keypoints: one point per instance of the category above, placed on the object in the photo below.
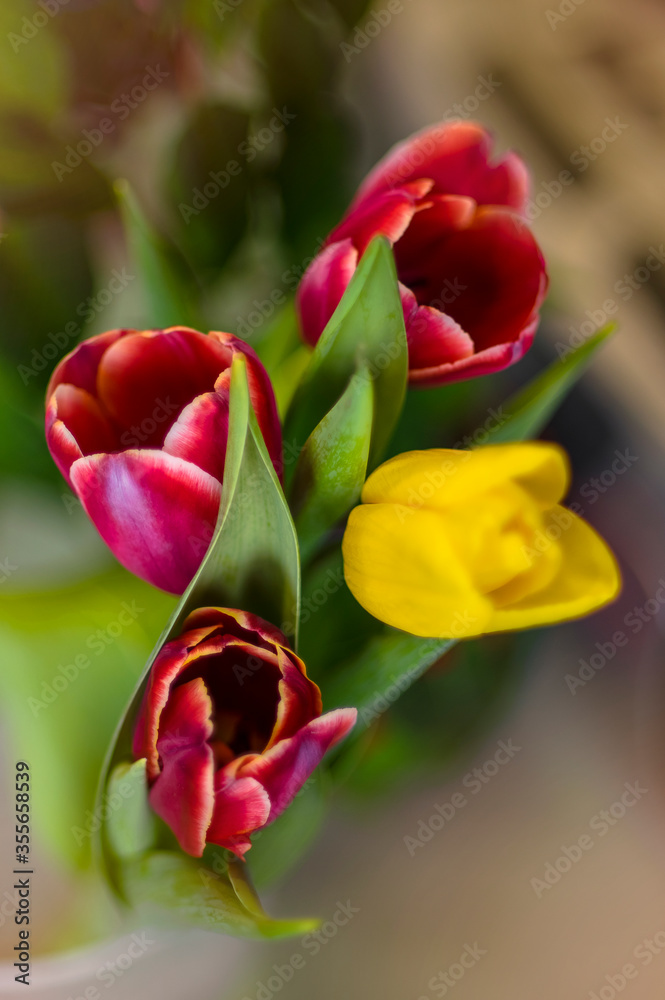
pixel 313 575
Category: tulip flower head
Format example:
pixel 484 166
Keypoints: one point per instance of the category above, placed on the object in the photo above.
pixel 453 544
pixel 231 727
pixel 137 422
pixel 471 275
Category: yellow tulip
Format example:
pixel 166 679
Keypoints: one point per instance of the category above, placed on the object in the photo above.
pixel 453 544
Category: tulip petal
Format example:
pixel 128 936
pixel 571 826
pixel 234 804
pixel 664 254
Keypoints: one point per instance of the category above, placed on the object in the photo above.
pixel 456 155
pixel 145 379
pixel 61 442
pixel 400 566
pixel 588 578
pixel 323 285
pixel 239 624
pixel 242 805
pixel 285 768
pixel 492 359
pixel 499 270
pixel 183 793
pixel 79 367
pixel 200 433
pixel 389 215
pixel 155 512
pixel 433 338
pixel 300 698
pixel 441 477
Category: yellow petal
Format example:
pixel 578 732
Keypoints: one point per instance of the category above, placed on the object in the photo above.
pixel 441 477
pixel 400 566
pixel 588 577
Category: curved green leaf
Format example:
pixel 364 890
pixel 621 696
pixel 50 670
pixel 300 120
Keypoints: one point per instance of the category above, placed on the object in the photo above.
pixel 333 464
pixel 367 328
pixel 530 409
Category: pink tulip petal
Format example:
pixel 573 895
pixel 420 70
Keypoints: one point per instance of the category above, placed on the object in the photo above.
pixel 285 768
pixel 323 284
pixel 260 393
pixel 496 275
pixel 389 215
pixel 456 155
pixel 300 698
pixel 493 359
pixel 200 433
pixel 61 442
pixel 183 793
pixel 155 512
pixel 145 379
pixel 434 338
pixel 85 420
pixel 242 806
pixel 79 367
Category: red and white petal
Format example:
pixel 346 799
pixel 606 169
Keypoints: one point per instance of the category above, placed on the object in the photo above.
pixel 299 698
pixel 433 337
pixel 388 214
pixel 155 512
pixel 285 768
pixel 456 155
pixel 493 359
pixel 200 433
pixel 146 378
pixel 183 792
pixel 241 806
pixel 323 285
pixel 79 367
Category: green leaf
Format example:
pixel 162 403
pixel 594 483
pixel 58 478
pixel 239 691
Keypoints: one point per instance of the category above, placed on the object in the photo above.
pixel 166 299
pixel 131 822
pixel 333 464
pixel 171 887
pixel 255 562
pixel 388 665
pixel 530 409
pixel 252 563
pixel 366 328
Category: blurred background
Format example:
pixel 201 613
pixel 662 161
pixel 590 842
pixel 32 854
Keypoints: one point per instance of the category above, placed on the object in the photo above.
pixel 304 97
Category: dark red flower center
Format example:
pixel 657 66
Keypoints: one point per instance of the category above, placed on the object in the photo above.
pixel 244 690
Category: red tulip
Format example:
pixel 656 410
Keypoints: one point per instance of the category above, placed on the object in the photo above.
pixel 471 274
pixel 138 423
pixel 231 728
